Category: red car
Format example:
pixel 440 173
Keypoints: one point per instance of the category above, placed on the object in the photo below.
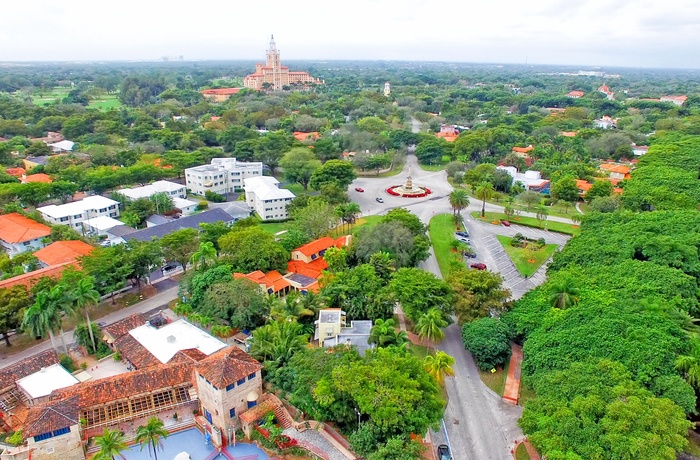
pixel 505 223
pixel 478 266
pixel 359 189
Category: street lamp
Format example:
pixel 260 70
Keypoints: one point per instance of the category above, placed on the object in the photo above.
pixel 357 411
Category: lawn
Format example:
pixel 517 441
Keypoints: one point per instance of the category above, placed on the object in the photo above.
pixel 495 380
pixel 550 225
pixel 441 231
pixel 369 221
pixel 106 102
pixel 521 452
pixel 527 263
pixel 395 169
pixel 275 227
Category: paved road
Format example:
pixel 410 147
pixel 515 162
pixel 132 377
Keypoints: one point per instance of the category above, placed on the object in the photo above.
pixel 479 424
pixel 160 300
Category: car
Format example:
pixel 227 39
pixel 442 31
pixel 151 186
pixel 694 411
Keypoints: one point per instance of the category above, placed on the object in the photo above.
pixel 359 189
pixel 443 452
pixel 464 240
pixel 464 234
pixel 102 325
pixel 505 223
pixel 478 266
pixel 379 199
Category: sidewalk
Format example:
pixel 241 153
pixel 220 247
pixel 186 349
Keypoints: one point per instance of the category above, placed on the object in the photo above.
pixel 159 300
pixel 511 393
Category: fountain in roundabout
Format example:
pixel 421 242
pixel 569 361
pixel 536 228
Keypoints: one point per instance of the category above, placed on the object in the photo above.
pixel 408 189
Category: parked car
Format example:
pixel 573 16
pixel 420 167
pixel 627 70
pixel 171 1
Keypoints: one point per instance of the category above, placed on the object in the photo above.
pixel 443 452
pixel 478 266
pixel 359 189
pixel 379 199
pixel 464 240
pixel 505 222
pixel 464 234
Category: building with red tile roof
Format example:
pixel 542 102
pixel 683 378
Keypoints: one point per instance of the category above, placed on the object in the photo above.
pixel 576 94
pixel 448 132
pixel 30 279
pixel 605 90
pixel 275 75
pixel 301 136
pixel 568 133
pixel 677 100
pixel 616 170
pixel 39 177
pixel 219 94
pixel 270 283
pixel 16 172
pixel 20 234
pixel 61 252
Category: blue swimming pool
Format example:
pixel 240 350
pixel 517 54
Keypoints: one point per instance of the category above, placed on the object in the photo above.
pixel 192 441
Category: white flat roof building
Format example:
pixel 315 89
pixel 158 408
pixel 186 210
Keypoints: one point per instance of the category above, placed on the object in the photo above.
pixel 186 206
pixel 179 335
pixel 162 186
pixel 223 175
pixel 48 379
pixel 264 195
pixel 75 213
pixel 100 225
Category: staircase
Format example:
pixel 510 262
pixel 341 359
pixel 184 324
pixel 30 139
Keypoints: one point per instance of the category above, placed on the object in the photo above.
pixel 283 417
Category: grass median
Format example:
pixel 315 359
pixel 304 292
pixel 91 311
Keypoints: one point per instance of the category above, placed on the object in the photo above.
pixel 441 230
pixel 550 225
pixel 527 262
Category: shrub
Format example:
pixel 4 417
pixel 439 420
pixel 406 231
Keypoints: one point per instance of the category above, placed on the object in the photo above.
pixel 15 438
pixel 67 362
pixel 488 341
pixel 518 241
pixel 214 197
pixel 202 205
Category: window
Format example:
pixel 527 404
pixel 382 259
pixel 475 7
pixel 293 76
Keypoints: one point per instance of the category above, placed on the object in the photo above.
pixel 63 219
pixel 232 413
pixel 41 437
pixel 251 376
pixel 241 381
pixel 61 431
pixel 230 387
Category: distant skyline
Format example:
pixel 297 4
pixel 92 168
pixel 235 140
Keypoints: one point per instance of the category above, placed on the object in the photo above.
pixel 645 33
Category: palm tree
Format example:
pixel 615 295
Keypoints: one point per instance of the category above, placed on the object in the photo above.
pixel 429 325
pixel 42 317
pixel 206 253
pixel 689 365
pixel 276 342
pixel 384 333
pixel 542 214
pixel 151 435
pixel 564 294
pixel 85 296
pixel 60 300
pixel 439 366
pixel 290 309
pixel 576 218
pixel 484 191
pixel 459 199
pixel 110 443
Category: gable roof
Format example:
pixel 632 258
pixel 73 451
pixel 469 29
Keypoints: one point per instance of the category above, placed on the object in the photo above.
pixel 314 247
pixel 52 416
pixel 220 91
pixel 131 350
pixel 616 168
pixel 527 149
pixel 193 221
pixel 227 366
pixel 61 252
pixel 102 391
pixel 123 326
pixel 304 136
pixel 39 177
pixel 28 279
pixel 15 228
pixel 10 374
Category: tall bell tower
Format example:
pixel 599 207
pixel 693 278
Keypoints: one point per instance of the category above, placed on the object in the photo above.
pixel 273 61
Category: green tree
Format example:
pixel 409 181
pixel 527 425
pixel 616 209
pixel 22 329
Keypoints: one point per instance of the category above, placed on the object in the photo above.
pixel 420 291
pixel 530 199
pixel 236 301
pixel 151 435
pixel 439 366
pixel 564 294
pixel 542 214
pixel 565 189
pixel 205 254
pixel 277 342
pixel 111 443
pixel 372 124
pixel 84 295
pixel 384 333
pixel 252 249
pixel 429 325
pixel 407 218
pixel 488 341
pixel 599 188
pixel 316 219
pixel 299 164
pixel 459 199
pixel 180 245
pixel 13 302
pixel 42 318
pixel 392 238
pixel 477 293
pixel 162 202
pixel 337 172
pixel 484 191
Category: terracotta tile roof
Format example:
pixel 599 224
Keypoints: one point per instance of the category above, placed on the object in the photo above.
pixel 63 251
pixel 221 91
pixel 191 355
pixel 449 137
pixel 51 416
pixel 29 279
pixel 277 280
pixel 303 136
pixel 616 168
pixel 576 93
pixel 130 384
pixel 16 172
pixel 135 353
pixel 302 268
pixel 343 241
pixel 40 177
pixel 15 228
pixel 316 246
pixel 674 98
pixel 123 326
pixel 527 149
pixel 10 374
pixel 583 186
pixel 227 366
pixel 568 133
pixel 267 403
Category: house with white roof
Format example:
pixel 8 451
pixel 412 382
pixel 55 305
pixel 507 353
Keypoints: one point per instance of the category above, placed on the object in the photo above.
pixel 100 225
pixel 39 385
pixel 531 180
pixel 171 189
pixel 266 198
pixel 77 212
pixel 222 176
pixel 62 146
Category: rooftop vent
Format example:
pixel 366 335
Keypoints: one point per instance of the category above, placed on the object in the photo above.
pixel 171 339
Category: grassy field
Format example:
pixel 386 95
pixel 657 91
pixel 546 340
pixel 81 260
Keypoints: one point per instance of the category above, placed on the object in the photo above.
pixel 552 226
pixel 396 169
pixel 521 256
pixel 521 453
pixel 442 228
pixel 495 380
pixel 369 221
pixel 275 227
pixel 104 102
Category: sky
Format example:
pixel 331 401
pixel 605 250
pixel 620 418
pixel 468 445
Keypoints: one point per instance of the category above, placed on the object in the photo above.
pixel 631 33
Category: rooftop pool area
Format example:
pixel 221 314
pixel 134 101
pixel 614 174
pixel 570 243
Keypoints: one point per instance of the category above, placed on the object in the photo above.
pixel 193 442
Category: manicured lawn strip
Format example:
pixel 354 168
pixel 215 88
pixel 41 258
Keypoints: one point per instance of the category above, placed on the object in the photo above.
pixel 521 256
pixel 441 231
pixel 521 453
pixel 106 102
pixel 552 226
pixel 275 227
pixel 496 380
pixel 368 221
pixel 392 172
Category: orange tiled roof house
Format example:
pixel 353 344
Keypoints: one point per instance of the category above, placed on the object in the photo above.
pixel 19 234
